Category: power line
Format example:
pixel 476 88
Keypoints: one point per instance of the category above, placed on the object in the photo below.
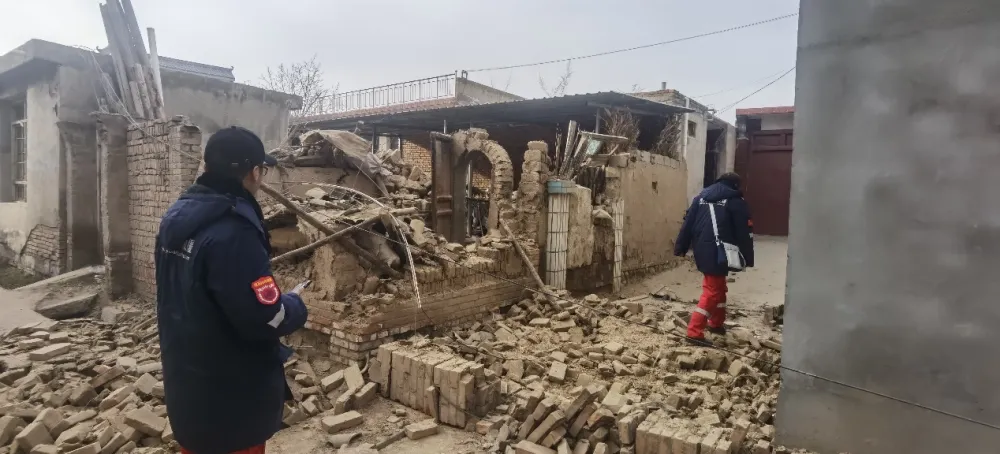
pixel 756 91
pixel 644 46
pixel 743 85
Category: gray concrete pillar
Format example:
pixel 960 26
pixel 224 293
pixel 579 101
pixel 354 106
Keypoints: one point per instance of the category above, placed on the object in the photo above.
pixel 83 245
pixel 894 229
pixel 115 231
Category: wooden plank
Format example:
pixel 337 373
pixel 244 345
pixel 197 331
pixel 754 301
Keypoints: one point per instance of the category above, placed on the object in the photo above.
pixel 114 45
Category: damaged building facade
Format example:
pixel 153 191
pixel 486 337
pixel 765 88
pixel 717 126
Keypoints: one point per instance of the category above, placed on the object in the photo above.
pixel 50 192
pixel 588 215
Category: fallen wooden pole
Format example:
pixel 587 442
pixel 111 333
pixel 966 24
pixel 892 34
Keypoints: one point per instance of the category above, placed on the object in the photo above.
pixel 346 243
pixel 339 234
pixel 527 262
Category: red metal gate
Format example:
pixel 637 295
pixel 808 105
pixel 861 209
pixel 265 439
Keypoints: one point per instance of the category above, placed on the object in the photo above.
pixel 769 180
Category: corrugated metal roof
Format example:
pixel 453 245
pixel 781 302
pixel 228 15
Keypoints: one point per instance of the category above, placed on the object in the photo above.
pixel 766 110
pixel 555 109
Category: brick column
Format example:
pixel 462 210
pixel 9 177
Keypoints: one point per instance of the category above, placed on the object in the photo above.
pixel 159 170
pixel 557 244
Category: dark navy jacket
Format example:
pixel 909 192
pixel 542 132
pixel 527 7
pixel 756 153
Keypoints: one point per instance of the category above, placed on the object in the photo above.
pixel 222 359
pixel 735 227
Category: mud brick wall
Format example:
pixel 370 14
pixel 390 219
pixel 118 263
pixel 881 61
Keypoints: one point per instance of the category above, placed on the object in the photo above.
pixel 158 172
pixel 46 249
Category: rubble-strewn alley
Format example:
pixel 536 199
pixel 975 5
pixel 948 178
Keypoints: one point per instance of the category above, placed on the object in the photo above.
pixel 580 376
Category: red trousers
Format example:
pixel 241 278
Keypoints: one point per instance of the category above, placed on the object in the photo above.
pixel 711 308
pixel 259 449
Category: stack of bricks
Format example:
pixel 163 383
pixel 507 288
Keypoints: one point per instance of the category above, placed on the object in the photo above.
pixel 531 189
pixel 163 160
pixel 451 389
pixel 44 250
pixel 661 433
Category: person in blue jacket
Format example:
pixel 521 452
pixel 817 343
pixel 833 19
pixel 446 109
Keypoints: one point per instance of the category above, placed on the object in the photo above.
pixel 220 311
pixel 735 227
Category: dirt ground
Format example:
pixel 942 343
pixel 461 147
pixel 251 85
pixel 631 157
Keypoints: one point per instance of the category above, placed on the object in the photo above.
pixel 12 278
pixel 762 285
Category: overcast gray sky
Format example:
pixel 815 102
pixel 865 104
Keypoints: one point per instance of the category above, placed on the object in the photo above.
pixel 363 43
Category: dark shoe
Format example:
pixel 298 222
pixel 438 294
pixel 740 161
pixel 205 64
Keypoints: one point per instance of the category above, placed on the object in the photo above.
pixel 720 330
pixel 699 342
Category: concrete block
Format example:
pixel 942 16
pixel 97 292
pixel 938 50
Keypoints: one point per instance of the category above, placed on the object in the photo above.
pixel 527 447
pixel 49 352
pixel 9 426
pixel 365 395
pixel 107 376
pixel 353 377
pixel 344 403
pixel 145 421
pixel 45 449
pixel 53 420
pixel 111 447
pixel 332 382
pixel 82 395
pixel 336 423
pixel 116 397
pixel 557 372
pixel 73 307
pixel 422 429
pixel 550 421
pixel 93 448
pixel 144 385
pixel 32 435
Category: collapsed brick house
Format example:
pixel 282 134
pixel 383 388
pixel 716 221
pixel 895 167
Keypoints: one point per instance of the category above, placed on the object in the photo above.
pixel 617 217
pixel 50 168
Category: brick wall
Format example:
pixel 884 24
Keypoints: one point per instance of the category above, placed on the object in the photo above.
pixel 157 174
pixel 45 250
pixel 416 150
pixel 449 296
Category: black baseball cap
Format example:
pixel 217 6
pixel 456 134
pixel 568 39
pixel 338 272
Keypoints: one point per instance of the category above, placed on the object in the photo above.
pixel 235 151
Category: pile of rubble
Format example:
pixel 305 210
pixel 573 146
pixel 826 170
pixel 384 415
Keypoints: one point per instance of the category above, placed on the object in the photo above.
pixel 588 377
pixel 398 181
pixel 95 387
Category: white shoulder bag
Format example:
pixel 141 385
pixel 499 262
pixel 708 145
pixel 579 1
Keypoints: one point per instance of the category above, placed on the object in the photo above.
pixel 734 259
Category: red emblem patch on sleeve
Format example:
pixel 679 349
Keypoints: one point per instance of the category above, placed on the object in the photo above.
pixel 266 290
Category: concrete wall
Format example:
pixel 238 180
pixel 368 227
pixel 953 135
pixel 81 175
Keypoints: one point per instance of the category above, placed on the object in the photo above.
pixel 213 104
pixel 776 121
pixel 894 238
pixel 468 92
pixel 653 188
pixel 18 220
pixel 694 156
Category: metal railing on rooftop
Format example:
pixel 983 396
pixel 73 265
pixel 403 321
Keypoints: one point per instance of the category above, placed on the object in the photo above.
pixel 431 88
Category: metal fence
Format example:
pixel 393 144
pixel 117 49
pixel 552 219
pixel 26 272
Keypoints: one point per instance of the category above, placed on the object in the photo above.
pixel 394 94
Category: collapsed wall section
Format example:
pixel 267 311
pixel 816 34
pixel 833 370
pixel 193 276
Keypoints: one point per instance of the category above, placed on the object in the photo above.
pixel 158 171
pixel 442 384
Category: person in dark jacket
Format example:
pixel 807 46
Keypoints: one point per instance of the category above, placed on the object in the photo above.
pixel 219 309
pixel 735 227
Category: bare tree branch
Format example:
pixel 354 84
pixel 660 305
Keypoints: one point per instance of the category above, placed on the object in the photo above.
pixel 304 79
pixel 560 88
